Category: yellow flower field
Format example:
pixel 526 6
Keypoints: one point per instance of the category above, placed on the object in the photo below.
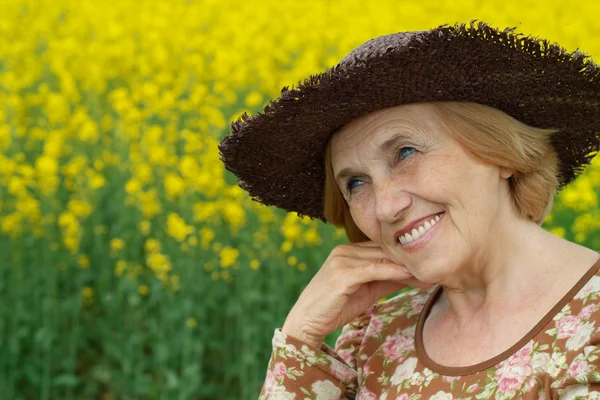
pixel 132 265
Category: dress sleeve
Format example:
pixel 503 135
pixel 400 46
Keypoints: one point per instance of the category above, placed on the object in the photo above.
pixel 297 370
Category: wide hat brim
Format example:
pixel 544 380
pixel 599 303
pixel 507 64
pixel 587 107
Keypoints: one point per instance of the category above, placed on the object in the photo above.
pixel 278 155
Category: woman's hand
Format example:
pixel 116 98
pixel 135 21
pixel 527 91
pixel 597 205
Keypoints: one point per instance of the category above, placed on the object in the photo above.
pixel 353 278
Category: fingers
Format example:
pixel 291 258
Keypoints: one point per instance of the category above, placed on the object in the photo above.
pixel 369 243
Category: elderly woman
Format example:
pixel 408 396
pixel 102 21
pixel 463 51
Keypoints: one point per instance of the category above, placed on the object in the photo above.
pixel 439 152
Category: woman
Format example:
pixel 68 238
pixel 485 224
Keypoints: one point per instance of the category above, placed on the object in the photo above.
pixel 439 152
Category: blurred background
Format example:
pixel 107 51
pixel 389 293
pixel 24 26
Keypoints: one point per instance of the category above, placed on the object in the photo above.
pixel 131 265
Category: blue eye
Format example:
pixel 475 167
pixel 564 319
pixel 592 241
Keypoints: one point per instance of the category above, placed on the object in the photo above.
pixel 405 152
pixel 350 185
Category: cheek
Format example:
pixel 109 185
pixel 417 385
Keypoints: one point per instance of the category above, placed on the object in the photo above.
pixel 365 221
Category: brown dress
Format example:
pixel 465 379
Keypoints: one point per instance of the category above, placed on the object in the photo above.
pixel 380 355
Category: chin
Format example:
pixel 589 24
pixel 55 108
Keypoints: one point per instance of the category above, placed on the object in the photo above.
pixel 433 268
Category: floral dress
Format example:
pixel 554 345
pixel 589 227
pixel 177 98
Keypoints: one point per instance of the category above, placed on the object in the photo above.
pixel 380 355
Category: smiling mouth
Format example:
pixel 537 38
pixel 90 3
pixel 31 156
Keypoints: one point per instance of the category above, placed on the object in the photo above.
pixel 420 230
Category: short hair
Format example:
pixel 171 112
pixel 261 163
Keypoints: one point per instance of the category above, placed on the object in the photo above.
pixel 492 137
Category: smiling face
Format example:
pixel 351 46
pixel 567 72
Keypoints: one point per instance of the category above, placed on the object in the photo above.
pixel 411 187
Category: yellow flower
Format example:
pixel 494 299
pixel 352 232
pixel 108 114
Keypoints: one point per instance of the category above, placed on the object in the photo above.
pixel 204 210
pixel 149 203
pixel 16 186
pixel 159 262
pixel 290 230
pixel 29 207
pixel 312 237
pixel 95 179
pixel 177 228
pixel 87 293
pixel 117 244
pixel 88 131
pixel 234 214
pixel 71 243
pixel 174 185
pixel 558 231
pixel 83 261
pixel 152 245
pixel 226 276
pixel 302 267
pixel 292 260
pixel 11 223
pixel 133 186
pixel 254 264
pixel 120 267
pixel 228 256
pixel 286 246
pixel 5 137
pixel 191 322
pixel 79 208
pixel 253 99
pixel 144 227
pixel 143 290
pixel 46 165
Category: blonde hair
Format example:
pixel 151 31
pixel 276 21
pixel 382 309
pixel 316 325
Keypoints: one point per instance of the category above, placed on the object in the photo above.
pixel 491 136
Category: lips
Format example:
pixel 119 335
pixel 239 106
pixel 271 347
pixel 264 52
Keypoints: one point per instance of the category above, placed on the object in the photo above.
pixel 416 228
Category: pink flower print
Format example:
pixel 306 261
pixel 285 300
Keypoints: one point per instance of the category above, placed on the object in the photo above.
pixel 578 369
pixel 375 326
pixel 347 356
pixel 270 383
pixel 389 309
pixel 369 311
pixel 567 326
pixel 450 379
pixel 530 383
pixel 343 372
pixel 582 336
pixel 587 311
pixel 592 286
pixel 473 388
pixel 403 396
pixel 524 352
pixel 279 370
pixel 347 336
pixel 512 373
pixel 366 370
pixel 418 302
pixel 366 394
pixel 396 346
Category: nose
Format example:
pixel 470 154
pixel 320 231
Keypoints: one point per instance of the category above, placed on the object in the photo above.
pixel 391 201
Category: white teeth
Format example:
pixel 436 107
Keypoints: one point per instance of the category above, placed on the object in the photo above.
pixel 416 233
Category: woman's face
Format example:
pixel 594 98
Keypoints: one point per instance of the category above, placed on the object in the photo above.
pixel 412 188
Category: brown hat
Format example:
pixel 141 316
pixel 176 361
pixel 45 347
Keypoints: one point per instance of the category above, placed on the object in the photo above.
pixel 278 155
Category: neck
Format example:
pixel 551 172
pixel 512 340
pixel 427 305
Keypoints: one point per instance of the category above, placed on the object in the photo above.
pixel 519 267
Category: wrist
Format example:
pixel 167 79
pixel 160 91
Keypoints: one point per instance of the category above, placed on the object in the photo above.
pixel 311 340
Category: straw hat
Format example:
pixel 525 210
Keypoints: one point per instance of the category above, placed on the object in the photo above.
pixel 278 155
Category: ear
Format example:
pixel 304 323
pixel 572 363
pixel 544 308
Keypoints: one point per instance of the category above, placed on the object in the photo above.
pixel 505 173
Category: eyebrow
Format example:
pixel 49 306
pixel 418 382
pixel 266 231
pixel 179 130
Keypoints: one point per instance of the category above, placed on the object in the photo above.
pixel 385 147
